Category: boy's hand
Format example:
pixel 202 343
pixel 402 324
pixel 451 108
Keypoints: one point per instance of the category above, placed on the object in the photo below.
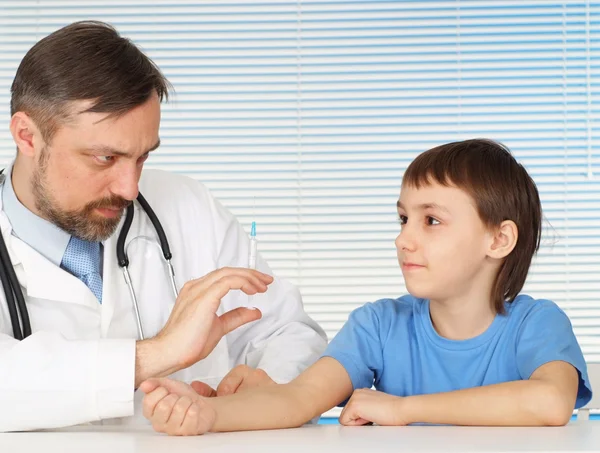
pixel 175 408
pixel 366 406
pixel 242 377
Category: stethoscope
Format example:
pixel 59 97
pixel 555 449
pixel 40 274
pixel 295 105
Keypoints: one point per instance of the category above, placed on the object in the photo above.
pixel 123 260
pixel 12 288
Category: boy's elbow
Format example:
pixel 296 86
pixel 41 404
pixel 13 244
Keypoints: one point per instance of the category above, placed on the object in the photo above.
pixel 557 408
pixel 558 418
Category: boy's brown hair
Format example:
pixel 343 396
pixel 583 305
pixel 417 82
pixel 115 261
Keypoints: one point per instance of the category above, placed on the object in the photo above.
pixel 501 189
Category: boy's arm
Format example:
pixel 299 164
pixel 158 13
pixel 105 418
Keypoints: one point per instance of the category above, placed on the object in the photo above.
pixel 174 408
pixel 547 398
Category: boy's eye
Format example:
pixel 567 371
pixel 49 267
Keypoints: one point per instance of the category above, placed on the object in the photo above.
pixel 402 219
pixel 105 159
pixel 432 221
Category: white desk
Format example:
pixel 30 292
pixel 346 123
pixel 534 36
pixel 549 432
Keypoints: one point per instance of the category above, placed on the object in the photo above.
pixel 576 437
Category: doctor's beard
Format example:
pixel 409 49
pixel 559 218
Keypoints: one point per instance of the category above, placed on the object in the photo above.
pixel 84 223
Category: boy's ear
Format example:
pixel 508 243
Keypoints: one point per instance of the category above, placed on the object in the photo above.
pixel 504 240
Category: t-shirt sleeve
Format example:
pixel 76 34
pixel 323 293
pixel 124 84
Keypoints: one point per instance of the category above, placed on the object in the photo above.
pixel 546 335
pixel 358 347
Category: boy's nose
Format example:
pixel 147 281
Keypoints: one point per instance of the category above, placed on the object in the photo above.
pixel 404 242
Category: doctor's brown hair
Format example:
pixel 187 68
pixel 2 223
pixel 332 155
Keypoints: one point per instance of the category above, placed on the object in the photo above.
pixel 83 61
pixel 501 189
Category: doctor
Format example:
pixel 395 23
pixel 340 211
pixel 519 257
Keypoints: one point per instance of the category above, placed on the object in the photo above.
pixel 85 112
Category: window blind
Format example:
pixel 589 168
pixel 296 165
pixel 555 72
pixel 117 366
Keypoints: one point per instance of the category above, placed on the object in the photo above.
pixel 303 115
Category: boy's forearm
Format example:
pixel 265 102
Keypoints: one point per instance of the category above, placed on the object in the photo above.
pixel 518 403
pixel 269 407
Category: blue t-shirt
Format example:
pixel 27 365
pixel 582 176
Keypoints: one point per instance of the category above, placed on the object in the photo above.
pixel 393 345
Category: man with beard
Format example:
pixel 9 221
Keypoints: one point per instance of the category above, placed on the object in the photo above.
pixel 85 110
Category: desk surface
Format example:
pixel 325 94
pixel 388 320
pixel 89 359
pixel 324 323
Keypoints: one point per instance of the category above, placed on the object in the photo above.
pixel 576 437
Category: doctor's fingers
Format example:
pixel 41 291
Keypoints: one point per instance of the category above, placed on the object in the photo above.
pixel 171 385
pixel 221 287
pixel 252 275
pixel 238 317
pixel 195 289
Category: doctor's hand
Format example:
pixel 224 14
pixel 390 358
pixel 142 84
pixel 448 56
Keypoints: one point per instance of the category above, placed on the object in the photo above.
pixel 241 378
pixel 193 328
pixel 173 407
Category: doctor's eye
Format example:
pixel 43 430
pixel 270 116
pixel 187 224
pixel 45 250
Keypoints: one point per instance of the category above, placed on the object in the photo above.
pixel 105 159
pixel 143 158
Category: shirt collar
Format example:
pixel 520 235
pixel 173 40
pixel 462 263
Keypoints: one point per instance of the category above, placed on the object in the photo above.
pixel 40 234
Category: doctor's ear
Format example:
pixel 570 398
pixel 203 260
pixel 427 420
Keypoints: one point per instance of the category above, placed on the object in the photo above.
pixel 25 133
pixel 504 240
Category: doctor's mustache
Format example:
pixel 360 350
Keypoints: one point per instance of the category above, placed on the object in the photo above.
pixel 113 202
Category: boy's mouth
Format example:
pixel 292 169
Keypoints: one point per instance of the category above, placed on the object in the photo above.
pixel 408 266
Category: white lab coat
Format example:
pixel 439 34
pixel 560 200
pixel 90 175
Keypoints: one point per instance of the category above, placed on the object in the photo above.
pixel 78 365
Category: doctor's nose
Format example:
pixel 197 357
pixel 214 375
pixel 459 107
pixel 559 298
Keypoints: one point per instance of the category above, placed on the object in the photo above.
pixel 125 184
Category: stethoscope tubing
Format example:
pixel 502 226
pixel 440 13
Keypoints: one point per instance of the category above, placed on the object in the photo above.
pixel 12 288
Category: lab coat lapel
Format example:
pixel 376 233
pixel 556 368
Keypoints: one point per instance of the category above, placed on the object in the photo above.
pixel 41 278
pixel 113 282
pixel 110 282
pixel 44 280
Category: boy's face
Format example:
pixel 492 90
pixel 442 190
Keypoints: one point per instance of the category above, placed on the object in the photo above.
pixel 442 246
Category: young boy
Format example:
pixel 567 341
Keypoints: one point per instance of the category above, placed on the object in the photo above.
pixel 463 348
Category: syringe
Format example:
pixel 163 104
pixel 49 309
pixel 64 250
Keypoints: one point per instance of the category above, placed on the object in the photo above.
pixel 253 247
pixel 252 257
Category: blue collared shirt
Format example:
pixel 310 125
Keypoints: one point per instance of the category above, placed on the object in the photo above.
pixel 40 234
